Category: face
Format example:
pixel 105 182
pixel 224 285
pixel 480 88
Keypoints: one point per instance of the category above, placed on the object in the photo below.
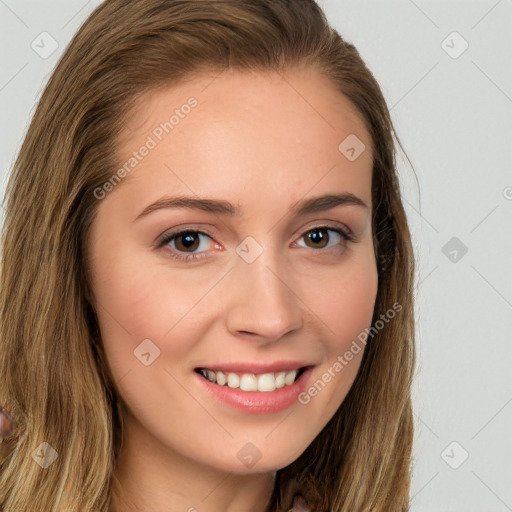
pixel 260 281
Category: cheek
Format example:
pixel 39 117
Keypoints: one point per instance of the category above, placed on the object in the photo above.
pixel 135 303
pixel 349 300
pixel 129 306
pixel 353 305
pixel 139 300
pixel 346 309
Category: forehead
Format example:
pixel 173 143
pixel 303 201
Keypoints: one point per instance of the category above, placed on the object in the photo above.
pixel 255 130
pixel 302 90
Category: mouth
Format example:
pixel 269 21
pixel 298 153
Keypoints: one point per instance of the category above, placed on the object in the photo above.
pixel 244 381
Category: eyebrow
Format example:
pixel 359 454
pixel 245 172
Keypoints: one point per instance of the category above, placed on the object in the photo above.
pixel 303 207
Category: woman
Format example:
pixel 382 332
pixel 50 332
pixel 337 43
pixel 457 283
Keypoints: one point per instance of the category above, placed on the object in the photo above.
pixel 267 367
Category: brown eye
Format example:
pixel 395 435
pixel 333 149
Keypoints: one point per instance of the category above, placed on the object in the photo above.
pixel 318 237
pixel 186 245
pixel 186 241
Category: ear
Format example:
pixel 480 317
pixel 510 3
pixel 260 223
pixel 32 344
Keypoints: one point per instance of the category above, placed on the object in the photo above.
pixel 9 432
pixel 8 426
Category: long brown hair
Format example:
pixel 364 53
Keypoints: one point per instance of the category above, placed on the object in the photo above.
pixel 53 373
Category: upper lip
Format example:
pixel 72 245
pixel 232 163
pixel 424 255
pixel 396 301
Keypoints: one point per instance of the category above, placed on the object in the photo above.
pixel 255 367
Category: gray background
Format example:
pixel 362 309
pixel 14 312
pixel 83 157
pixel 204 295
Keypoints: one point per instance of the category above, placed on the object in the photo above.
pixel 453 113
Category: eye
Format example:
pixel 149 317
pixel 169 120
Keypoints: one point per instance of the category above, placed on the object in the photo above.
pixel 184 241
pixel 319 237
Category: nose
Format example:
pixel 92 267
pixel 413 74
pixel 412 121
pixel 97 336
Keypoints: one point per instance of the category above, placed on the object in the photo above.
pixel 261 302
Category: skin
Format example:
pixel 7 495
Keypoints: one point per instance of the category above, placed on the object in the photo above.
pixel 262 141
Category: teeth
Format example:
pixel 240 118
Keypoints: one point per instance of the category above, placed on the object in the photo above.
pixel 249 382
pixel 264 382
pixel 233 380
pixel 280 379
pixel 267 382
pixel 289 378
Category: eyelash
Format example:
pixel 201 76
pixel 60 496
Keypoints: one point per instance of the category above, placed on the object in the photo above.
pixel 166 238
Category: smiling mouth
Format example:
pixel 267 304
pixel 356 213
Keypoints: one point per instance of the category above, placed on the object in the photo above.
pixel 264 382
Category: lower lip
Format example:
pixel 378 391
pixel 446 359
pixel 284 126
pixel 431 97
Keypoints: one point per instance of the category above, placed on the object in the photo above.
pixel 258 402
